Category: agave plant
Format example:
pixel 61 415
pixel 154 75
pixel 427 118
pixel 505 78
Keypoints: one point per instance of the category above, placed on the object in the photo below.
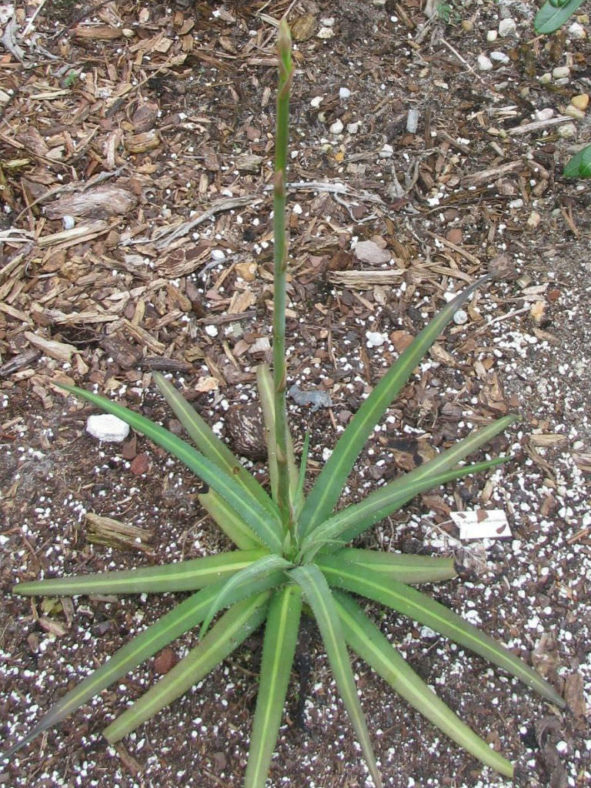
pixel 554 14
pixel 291 557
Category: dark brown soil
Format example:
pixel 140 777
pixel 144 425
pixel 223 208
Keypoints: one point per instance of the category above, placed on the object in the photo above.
pixel 170 111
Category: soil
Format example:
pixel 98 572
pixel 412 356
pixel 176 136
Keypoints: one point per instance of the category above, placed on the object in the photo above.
pixel 136 153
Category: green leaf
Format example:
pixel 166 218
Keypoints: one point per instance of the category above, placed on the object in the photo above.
pixel 281 634
pixel 180 576
pixel 243 579
pixel 212 447
pixel 365 638
pixel 223 638
pixel 396 566
pixel 228 520
pixel 183 617
pixel 580 165
pixel 329 485
pixel 552 15
pixel 266 526
pixel 319 597
pixel 421 608
pixel 345 525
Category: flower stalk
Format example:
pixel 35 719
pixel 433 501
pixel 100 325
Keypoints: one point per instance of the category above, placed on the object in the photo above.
pixel 280 273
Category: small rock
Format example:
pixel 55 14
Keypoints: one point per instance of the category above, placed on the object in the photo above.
pixel 375 339
pixel 68 222
pixel 546 78
pixel 353 128
pixel 507 27
pixel 337 127
pixel 491 36
pixel 316 101
pixel 544 114
pixel 454 235
pixel 580 102
pixel 460 317
pixel 165 661
pixel 106 427
pixel 369 252
pixel 246 271
pixel 561 72
pixel 140 464
pixel 499 57
pixel 574 112
pixel 325 33
pixel 386 152
pixel 567 131
pixel 502 268
pixel 533 219
pixel 577 31
pixel 484 63
pixel 344 93
pixel 412 121
pixel 218 255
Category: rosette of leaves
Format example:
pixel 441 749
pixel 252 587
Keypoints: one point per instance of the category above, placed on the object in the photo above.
pixel 292 556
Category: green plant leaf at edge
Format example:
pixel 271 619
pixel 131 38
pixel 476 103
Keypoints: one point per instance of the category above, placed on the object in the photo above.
pixel 319 597
pixel 397 566
pixel 267 527
pixel 210 445
pixel 550 18
pixel 580 164
pixel 350 522
pixel 427 611
pixel 167 578
pixel 225 636
pixel 281 634
pixel 364 637
pixel 330 482
pixel 179 620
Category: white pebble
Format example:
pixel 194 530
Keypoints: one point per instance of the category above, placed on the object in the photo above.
pixel 325 33
pixel 337 127
pixel 106 427
pixel 344 93
pixel 375 339
pixel 386 152
pixel 567 131
pixel 353 128
pixel 68 222
pixel 316 101
pixel 218 255
pixel 507 27
pixel 577 31
pixel 491 36
pixel 460 317
pixel 499 57
pixel 484 63
pixel 211 331
pixel 561 72
pixel 544 114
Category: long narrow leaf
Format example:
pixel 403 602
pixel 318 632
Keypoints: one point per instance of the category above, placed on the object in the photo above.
pixel 210 445
pixel 183 617
pixel 553 16
pixel 357 518
pixel 396 566
pixel 243 579
pixel 281 634
pixel 319 597
pixel 228 520
pixel 427 611
pixel 266 526
pixel 181 576
pixel 330 482
pixel 225 636
pixel 365 638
